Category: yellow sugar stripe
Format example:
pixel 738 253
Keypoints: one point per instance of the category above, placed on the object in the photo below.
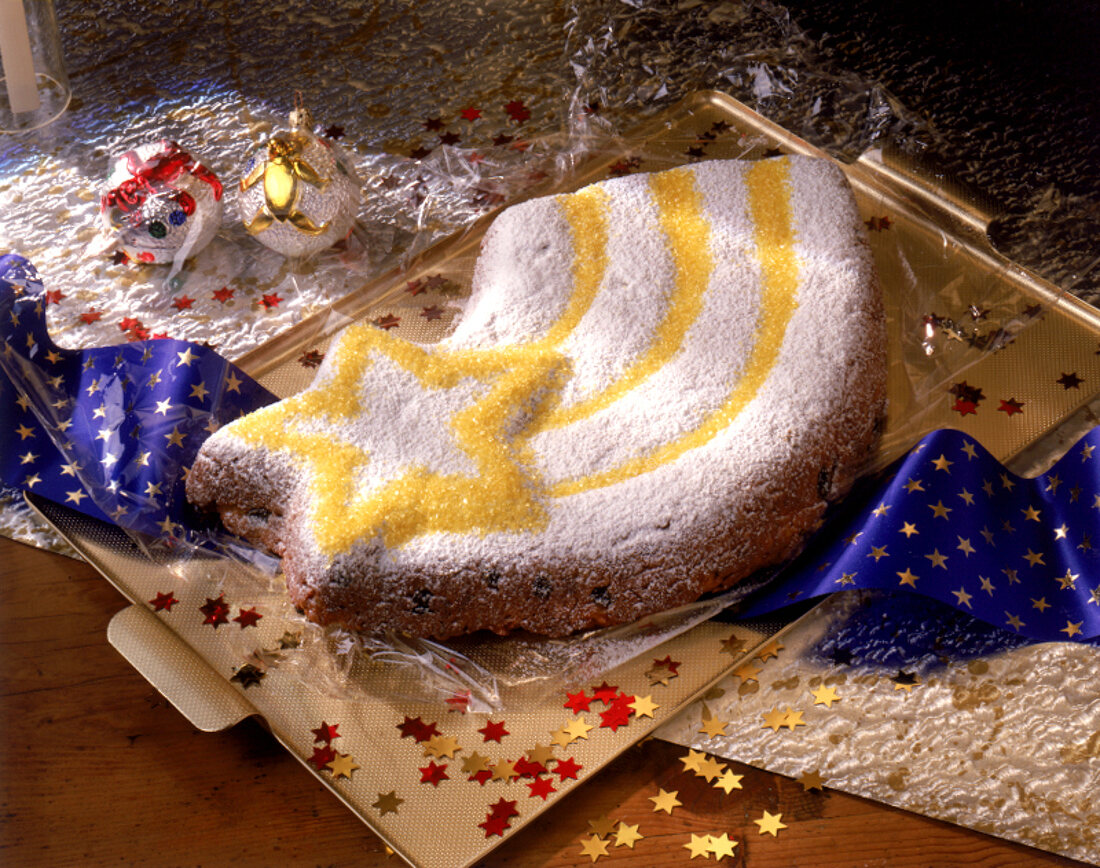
pixel 680 215
pixel 769 192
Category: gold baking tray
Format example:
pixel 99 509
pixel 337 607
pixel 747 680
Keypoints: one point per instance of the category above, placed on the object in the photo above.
pixel 931 249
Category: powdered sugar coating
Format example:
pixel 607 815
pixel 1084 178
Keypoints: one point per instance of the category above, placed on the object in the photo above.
pixel 739 498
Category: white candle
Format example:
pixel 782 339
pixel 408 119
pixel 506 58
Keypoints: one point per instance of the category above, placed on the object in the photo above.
pixel 15 52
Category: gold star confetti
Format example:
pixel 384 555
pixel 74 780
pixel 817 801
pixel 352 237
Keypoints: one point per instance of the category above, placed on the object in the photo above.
pixel 665 801
pixel 825 696
pixel 660 675
pixel 594 847
pixel 693 760
pixel 734 645
pixel 387 803
pixel 770 824
pixel 721 846
pixel 747 672
pixel 773 720
pixel 713 727
pixel 699 845
pixel 728 782
pixel 441 746
pixel 475 763
pixel 811 781
pixel 541 753
pixel 625 835
pixel 710 769
pixel 644 706
pixel 577 729
pixel 906 681
pixel 602 826
pixel 770 650
pixel 561 738
pixel 504 770
pixel 792 718
pixel 343 765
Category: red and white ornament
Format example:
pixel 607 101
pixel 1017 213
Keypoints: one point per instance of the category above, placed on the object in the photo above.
pixel 159 205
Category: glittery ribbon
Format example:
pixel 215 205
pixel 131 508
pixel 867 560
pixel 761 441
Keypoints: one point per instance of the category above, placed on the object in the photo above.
pixel 950 522
pixel 108 431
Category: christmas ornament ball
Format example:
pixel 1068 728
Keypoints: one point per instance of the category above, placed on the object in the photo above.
pixel 298 193
pixel 160 205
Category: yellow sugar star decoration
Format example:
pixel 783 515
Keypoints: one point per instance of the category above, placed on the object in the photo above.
pixel 343 765
pixel 693 760
pixel 594 847
pixel 791 719
pixel 770 824
pixel 728 782
pixel 441 746
pixel 625 835
pixel 826 696
pixel 699 845
pixel 387 803
pixel 644 706
pixel 665 801
pixel 602 826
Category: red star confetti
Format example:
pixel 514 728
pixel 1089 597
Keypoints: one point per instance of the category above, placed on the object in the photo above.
pixel 505 808
pixel 567 768
pixel 163 602
pixel 433 312
pixel 433 774
pixel 470 114
pixel 91 316
pixel 270 300
pixel 1011 407
pixel 618 714
pixel 605 693
pixel 417 729
pixel 668 663
pixel 54 296
pixel 1066 381
pixel 433 124
pixel 878 224
pixel 182 302
pixel 128 323
pixel 529 769
pixel 450 139
pixel 223 295
pixel 493 731
pixel 138 333
pixel 965 408
pixel 517 111
pixel 419 152
pixel 334 132
pixel 541 787
pixel 119 258
pixel 326 732
pixel 248 617
pixel 215 612
pixel 482 776
pixel 502 140
pixel 322 756
pixel 387 322
pixel 311 358
pixel 493 826
pixel 577 702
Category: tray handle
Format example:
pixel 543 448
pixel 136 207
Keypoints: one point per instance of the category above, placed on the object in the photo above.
pixel 208 701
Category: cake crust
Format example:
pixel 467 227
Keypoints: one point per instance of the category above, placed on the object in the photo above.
pixel 657 386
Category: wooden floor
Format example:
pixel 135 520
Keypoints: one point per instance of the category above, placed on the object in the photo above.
pixel 96 768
